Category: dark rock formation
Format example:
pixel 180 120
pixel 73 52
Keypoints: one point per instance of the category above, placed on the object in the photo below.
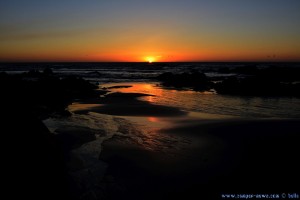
pixel 45 94
pixel 258 85
pixel 33 159
pixel 248 80
pixel 195 80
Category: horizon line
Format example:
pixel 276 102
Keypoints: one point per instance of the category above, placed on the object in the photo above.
pixel 262 61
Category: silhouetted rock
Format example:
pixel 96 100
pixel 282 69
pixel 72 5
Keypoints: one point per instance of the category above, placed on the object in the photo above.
pixel 248 80
pixel 31 159
pixel 34 73
pixel 94 74
pixel 44 94
pixel 258 86
pixel 224 70
pixel 195 80
pixel 34 160
pixel 248 69
pixel 48 71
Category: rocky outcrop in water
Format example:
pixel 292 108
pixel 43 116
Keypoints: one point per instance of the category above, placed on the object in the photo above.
pixel 248 80
pixel 195 80
pixel 270 81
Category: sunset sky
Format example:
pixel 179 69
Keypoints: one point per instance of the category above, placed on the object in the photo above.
pixel 156 30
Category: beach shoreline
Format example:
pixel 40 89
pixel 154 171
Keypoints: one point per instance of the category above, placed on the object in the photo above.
pixel 167 152
pixel 196 156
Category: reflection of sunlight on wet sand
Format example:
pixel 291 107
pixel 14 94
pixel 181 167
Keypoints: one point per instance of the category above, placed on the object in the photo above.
pixel 150 99
pixel 145 88
pixel 151 139
pixel 78 106
pixel 154 141
pixel 149 123
pixel 145 131
pixel 187 100
pixel 153 119
pixel 162 96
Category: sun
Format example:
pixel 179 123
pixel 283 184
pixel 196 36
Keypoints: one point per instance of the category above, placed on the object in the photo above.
pixel 150 59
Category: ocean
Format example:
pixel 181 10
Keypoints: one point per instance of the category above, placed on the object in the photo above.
pixel 142 76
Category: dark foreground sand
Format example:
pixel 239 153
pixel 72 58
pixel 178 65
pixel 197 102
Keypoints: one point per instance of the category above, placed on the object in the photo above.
pixel 223 156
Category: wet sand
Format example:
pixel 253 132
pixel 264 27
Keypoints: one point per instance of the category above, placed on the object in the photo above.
pixel 225 156
pixel 128 104
pixel 198 158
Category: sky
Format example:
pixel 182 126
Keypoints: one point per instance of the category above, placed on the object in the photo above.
pixel 156 30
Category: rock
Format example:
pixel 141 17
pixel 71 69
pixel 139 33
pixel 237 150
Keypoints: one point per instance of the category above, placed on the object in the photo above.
pixel 194 79
pixel 32 161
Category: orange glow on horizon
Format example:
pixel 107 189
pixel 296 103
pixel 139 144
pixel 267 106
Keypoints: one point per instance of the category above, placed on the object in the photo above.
pixel 162 49
pixel 226 57
pixel 165 53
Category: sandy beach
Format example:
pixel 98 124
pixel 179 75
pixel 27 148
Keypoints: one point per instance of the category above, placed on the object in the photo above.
pixel 220 157
pixel 195 157
pixel 143 141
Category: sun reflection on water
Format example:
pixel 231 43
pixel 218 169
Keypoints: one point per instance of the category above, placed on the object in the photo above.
pixel 153 119
pixel 147 88
pixel 184 99
pixel 79 106
pixel 210 102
